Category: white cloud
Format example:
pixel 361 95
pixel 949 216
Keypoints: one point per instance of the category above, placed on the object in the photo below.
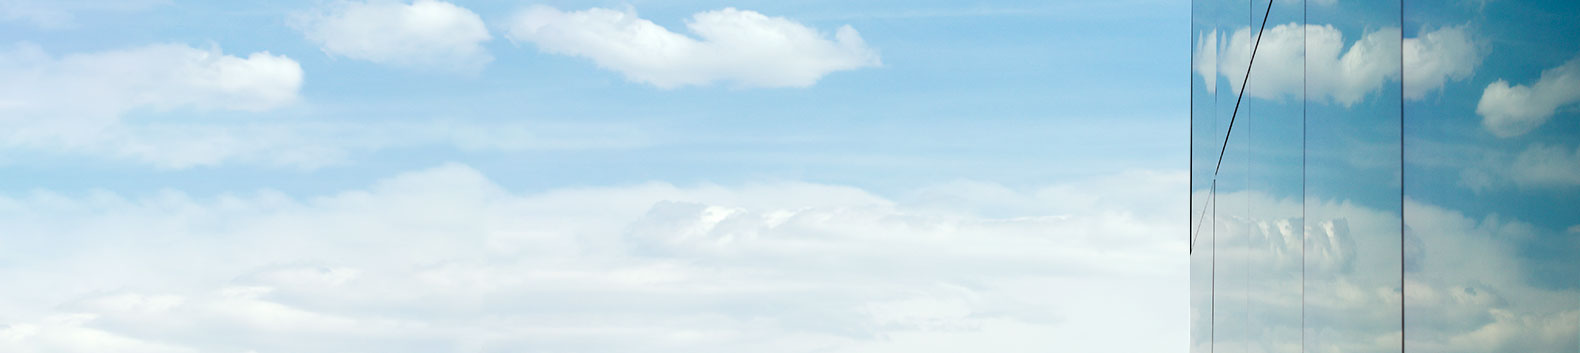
pixel 1344 76
pixel 446 260
pixel 75 102
pixel 426 34
pixel 1331 73
pixel 1437 57
pixel 743 47
pixel 163 77
pixel 1509 111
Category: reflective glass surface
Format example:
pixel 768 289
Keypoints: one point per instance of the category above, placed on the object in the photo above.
pixel 1204 63
pixel 1230 209
pixel 1353 263
pixel 1273 111
pixel 1492 186
pixel 1399 176
pixel 1402 176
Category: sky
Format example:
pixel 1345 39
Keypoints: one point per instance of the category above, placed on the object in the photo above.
pixel 593 176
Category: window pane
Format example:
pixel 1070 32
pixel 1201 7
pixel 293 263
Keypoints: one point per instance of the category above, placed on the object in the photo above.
pixel 1231 276
pixel 1272 114
pixel 1204 145
pixel 1353 260
pixel 1492 254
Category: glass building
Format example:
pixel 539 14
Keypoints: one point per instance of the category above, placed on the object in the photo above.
pixel 1385 176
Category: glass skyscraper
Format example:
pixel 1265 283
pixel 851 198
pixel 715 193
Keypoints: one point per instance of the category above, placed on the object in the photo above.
pixel 1385 176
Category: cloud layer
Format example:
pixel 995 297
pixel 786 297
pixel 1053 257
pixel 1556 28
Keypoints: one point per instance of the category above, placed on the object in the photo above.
pixel 1513 110
pixel 75 102
pixel 1500 302
pixel 446 260
pixel 1492 304
pixel 426 34
pixel 742 47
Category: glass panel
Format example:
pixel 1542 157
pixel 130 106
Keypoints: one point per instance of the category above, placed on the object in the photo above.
pixel 1353 203
pixel 1204 145
pixel 1272 114
pixel 1492 114
pixel 1230 212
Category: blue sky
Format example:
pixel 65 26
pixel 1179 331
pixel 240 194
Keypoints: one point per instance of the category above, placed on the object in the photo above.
pixel 832 176
pixel 1057 99
pixel 759 176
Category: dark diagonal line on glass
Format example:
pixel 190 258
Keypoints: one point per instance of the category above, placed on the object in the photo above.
pixel 1232 116
pixel 1230 132
pixel 1243 83
pixel 1211 197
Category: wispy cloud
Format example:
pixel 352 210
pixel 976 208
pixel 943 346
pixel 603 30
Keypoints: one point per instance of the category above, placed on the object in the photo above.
pixel 738 46
pixel 53 14
pixel 76 102
pixel 423 35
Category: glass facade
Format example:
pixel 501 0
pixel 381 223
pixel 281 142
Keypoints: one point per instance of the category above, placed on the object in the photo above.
pixel 1385 176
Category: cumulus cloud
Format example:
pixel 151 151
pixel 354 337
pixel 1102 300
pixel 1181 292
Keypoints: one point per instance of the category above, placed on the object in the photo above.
pixel 1349 77
pixel 444 259
pixel 744 47
pixel 1334 73
pixel 1512 110
pixel 75 102
pixel 426 34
